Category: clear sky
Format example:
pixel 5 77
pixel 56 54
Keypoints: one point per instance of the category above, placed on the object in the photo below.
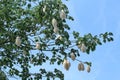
pixel 97 16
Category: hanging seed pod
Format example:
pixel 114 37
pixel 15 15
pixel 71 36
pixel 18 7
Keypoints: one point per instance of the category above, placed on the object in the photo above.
pixel 44 8
pixel 56 30
pixel 88 68
pixel 37 45
pixel 81 67
pixel 61 38
pixel 62 14
pixel 72 55
pixel 18 41
pixel 66 64
pixel 54 23
pixel 83 47
pixel 79 45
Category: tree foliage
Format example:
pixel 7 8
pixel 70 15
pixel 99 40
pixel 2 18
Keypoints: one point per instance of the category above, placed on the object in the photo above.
pixel 31 22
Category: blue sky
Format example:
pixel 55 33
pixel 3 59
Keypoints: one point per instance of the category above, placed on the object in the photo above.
pixel 97 16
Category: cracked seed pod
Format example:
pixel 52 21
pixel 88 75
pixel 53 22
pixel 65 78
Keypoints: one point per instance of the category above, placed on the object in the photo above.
pixel 88 68
pixel 66 64
pixel 83 48
pixel 37 45
pixel 18 41
pixel 56 30
pixel 54 23
pixel 62 14
pixel 72 55
pixel 81 67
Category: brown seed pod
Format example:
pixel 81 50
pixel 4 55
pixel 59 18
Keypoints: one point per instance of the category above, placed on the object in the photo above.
pixel 18 41
pixel 83 48
pixel 61 38
pixel 66 64
pixel 88 68
pixel 81 67
pixel 72 55
pixel 56 30
pixel 54 22
pixel 79 44
pixel 37 45
pixel 62 14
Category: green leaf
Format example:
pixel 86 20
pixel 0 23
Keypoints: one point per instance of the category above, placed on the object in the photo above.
pixel 88 63
pixel 75 34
